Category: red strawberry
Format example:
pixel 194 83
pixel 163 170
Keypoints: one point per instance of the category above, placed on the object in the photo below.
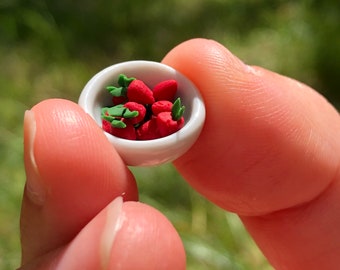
pixel 161 106
pixel 148 131
pixel 165 90
pixel 166 125
pixel 119 100
pixel 128 132
pixel 134 106
pixel 139 92
pixel 106 125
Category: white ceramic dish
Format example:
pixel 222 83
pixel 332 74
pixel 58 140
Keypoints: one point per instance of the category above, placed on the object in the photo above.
pixel 148 152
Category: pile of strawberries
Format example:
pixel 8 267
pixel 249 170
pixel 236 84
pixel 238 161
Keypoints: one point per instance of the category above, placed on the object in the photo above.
pixel 139 113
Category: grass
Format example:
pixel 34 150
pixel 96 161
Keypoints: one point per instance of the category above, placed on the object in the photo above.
pixel 49 52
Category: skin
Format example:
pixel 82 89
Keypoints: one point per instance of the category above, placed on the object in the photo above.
pixel 277 169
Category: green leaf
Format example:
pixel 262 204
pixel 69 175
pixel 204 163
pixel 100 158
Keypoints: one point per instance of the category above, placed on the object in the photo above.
pixel 116 111
pixel 130 114
pixel 121 90
pixel 119 111
pixel 118 123
pixel 177 110
pixel 108 118
pixel 116 91
pixel 124 81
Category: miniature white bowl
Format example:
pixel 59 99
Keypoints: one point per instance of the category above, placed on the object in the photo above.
pixel 148 152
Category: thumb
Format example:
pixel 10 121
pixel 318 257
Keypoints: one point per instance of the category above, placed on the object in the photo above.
pixel 129 235
pixel 72 173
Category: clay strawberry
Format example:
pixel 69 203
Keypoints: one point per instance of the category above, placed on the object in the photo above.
pixel 165 90
pixel 170 122
pixel 148 131
pixel 161 106
pixel 134 106
pixel 142 114
pixel 166 125
pixel 139 92
pixel 128 132
pixel 106 125
pixel 119 100
pixel 109 123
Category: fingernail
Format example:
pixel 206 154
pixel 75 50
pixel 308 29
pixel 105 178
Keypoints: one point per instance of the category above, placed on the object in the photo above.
pixel 34 188
pixel 113 224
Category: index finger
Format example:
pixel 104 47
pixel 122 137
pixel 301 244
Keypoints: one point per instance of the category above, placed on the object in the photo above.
pixel 265 136
pixel 270 152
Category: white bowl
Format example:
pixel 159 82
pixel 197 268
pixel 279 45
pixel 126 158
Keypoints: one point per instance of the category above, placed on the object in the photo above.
pixel 149 152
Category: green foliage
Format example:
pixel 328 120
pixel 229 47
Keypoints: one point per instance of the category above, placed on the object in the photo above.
pixel 52 48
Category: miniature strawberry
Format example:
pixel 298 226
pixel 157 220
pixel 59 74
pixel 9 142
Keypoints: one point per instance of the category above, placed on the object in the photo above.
pixel 128 132
pixel 106 125
pixel 166 125
pixel 134 106
pixel 161 106
pixel 139 92
pixel 165 90
pixel 170 122
pixel 119 100
pixel 139 113
pixel 148 131
pixel 117 127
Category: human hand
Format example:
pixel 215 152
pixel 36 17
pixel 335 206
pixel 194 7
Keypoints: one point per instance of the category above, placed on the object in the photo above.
pixel 273 159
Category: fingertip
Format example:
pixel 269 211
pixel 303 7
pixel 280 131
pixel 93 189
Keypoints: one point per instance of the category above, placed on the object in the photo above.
pixel 146 240
pixel 70 145
pixel 129 235
pixel 205 61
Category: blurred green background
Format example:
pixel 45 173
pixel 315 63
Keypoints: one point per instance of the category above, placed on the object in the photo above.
pixel 52 48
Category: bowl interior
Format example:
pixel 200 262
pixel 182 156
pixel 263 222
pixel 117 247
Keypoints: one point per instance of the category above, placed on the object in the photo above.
pixel 145 72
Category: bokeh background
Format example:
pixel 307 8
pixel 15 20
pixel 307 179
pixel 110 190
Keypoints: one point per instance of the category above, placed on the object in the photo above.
pixel 52 48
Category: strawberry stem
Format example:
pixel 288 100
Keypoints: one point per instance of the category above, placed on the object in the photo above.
pixel 118 123
pixel 116 91
pixel 118 111
pixel 115 113
pixel 177 110
pixel 130 114
pixel 123 82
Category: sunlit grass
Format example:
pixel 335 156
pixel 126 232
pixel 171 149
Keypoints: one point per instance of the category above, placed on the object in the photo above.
pixel 50 53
